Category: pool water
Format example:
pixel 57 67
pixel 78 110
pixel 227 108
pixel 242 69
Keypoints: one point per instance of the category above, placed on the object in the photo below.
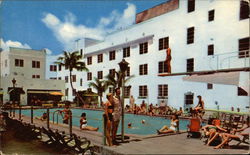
pixel 95 119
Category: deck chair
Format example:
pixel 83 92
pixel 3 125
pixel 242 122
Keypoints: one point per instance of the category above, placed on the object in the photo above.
pixel 81 144
pixel 194 128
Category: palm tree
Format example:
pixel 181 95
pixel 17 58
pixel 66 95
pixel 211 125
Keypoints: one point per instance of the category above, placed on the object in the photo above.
pixel 100 86
pixel 116 81
pixel 72 61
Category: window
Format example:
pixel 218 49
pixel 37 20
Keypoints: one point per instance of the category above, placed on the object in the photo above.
pixel 126 52
pixel 59 78
pixel 209 86
pixel 67 92
pixel 244 47
pixel 127 72
pixel 18 62
pixel 143 69
pixel 143 91
pixel 53 68
pixel 81 82
pixel 162 90
pixel 112 72
pixel 191 5
pixel 162 67
pixel 210 49
pixel 81 52
pixel 35 64
pixel 99 75
pixel 190 35
pixel 99 58
pixel 242 92
pixel 190 65
pixel 6 63
pixel 66 79
pixel 244 9
pixel 73 78
pixel 89 76
pixel 189 98
pixel 127 91
pixel 163 43
pixel 112 55
pixel 210 15
pixel 59 67
pixel 36 77
pixel 52 78
pixel 89 60
pixel 144 48
pixel 74 92
pixel 111 90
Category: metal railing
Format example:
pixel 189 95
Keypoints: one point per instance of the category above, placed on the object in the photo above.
pixel 239 59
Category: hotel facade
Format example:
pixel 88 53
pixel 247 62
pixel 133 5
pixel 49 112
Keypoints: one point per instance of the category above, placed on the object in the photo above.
pixel 209 42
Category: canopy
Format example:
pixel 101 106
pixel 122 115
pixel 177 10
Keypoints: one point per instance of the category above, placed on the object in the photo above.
pixel 56 93
pixel 240 79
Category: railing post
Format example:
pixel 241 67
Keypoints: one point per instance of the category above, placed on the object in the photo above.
pixel 48 118
pixel 70 122
pixel 104 129
pixel 14 112
pixel 20 112
pixel 31 113
pixel 11 111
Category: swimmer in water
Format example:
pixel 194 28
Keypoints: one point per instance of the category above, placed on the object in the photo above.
pixel 143 121
pixel 129 125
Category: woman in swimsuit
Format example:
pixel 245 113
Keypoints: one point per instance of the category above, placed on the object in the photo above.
pixel 109 108
pixel 83 123
pixel 173 126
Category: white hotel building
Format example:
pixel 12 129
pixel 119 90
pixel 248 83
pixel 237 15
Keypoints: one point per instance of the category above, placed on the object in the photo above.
pixel 209 40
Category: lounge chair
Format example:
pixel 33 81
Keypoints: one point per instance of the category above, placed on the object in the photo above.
pixel 194 128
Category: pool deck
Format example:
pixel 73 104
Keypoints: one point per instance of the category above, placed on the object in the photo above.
pixel 152 144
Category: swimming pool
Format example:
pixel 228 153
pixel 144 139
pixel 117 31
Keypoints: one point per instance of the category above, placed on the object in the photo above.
pixel 95 119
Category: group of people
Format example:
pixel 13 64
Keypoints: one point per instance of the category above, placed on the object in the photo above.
pixel 222 136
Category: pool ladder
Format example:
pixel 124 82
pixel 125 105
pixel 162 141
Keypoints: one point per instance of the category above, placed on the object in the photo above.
pixel 58 112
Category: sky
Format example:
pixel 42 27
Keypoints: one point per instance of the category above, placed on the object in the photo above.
pixel 56 24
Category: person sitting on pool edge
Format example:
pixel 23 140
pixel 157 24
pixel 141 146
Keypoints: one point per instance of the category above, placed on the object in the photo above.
pixel 174 125
pixel 83 123
pixel 43 117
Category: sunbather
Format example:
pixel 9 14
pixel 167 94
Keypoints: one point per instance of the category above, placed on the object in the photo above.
pixel 83 124
pixel 244 131
pixel 43 117
pixel 212 132
pixel 173 126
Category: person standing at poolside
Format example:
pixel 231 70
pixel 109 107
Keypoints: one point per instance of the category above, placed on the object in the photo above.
pixel 132 102
pixel 109 109
pixel 66 112
pixel 116 113
pixel 199 108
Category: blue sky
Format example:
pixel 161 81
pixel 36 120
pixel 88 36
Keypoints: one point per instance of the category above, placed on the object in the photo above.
pixel 55 24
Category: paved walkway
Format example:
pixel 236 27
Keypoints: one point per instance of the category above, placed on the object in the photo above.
pixel 172 144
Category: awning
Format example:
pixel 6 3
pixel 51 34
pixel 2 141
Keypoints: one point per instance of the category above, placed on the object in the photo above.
pixel 38 92
pixel 56 93
pixel 240 79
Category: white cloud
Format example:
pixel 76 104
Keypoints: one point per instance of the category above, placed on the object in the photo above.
pixel 67 31
pixel 5 45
